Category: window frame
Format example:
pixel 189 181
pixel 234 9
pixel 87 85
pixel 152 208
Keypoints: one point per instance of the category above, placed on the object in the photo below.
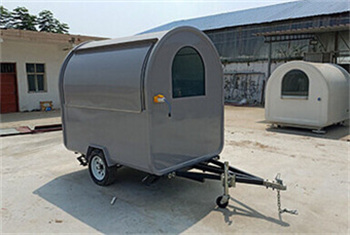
pixel 295 96
pixel 35 74
pixel 204 74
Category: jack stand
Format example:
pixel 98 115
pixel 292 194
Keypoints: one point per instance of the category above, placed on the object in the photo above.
pixel 228 180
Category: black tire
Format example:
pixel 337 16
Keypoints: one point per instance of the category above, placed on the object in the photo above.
pixel 100 173
pixel 218 202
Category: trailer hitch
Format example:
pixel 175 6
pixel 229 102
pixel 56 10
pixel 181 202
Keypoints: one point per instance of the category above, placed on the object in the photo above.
pixel 277 184
pixel 229 180
pixel 280 210
pixel 229 176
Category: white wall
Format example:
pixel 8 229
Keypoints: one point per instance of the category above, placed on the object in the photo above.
pixel 22 52
pixel 250 67
pixel 249 86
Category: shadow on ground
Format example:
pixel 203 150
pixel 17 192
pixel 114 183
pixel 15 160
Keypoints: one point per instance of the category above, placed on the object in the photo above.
pixel 167 206
pixel 241 209
pixel 28 116
pixel 335 132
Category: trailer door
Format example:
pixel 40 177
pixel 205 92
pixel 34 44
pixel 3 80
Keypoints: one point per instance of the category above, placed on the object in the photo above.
pixel 187 127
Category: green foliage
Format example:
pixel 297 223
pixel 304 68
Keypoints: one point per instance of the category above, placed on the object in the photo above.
pixel 5 17
pixel 20 18
pixel 62 28
pixel 47 23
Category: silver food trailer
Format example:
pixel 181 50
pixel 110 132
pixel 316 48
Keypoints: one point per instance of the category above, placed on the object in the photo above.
pixel 152 102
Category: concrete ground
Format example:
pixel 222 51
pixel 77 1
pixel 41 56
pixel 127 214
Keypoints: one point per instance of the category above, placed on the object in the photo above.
pixel 30 119
pixel 45 190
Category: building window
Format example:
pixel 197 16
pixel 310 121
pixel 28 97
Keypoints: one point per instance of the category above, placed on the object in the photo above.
pixel 7 68
pixel 295 83
pixel 188 73
pixel 36 77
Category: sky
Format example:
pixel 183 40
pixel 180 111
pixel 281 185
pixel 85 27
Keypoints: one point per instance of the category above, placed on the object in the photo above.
pixel 115 18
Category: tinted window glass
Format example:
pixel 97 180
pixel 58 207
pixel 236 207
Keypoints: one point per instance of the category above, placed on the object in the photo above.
pixel 295 83
pixel 30 68
pixel 40 68
pixel 188 74
pixel 7 68
pixel 36 77
pixel 40 82
pixel 31 82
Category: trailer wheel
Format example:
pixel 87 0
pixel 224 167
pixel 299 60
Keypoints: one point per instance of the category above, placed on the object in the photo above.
pixel 221 205
pixel 100 173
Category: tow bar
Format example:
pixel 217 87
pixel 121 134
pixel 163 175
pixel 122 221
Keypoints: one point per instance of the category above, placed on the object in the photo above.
pixel 229 176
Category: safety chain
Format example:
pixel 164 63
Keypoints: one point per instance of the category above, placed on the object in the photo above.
pixel 279 201
pixel 285 210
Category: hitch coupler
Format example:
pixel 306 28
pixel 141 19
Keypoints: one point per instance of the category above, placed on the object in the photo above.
pixel 277 184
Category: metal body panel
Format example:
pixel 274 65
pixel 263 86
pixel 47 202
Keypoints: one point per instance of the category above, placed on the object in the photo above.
pixel 121 134
pixel 135 131
pixel 93 81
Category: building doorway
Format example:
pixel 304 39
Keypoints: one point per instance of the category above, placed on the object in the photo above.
pixel 8 84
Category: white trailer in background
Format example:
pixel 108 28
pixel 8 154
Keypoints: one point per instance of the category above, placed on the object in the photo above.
pixel 307 95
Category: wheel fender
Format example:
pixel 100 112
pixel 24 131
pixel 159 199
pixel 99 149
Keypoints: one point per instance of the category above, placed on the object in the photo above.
pixel 105 152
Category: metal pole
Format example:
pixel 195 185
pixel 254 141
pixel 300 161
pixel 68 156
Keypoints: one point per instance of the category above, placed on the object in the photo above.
pixel 269 60
pixel 226 179
pixel 336 38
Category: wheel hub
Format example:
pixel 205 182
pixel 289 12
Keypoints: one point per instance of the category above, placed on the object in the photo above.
pixel 98 167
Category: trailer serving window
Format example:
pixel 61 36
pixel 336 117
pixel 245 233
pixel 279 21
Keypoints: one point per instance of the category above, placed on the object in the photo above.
pixel 295 84
pixel 188 75
pixel 98 83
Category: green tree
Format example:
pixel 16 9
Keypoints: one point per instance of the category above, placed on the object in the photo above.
pixel 5 18
pixel 21 19
pixel 47 23
pixel 62 28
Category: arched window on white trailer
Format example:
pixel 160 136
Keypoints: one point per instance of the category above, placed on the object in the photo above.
pixel 295 83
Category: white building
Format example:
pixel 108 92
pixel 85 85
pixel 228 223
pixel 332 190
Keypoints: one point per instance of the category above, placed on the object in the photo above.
pixel 30 65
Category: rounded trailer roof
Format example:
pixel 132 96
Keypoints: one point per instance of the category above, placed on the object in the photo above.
pixel 123 68
pixel 157 36
pixel 329 73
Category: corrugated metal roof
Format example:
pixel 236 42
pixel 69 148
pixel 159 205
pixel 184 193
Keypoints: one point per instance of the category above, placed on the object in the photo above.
pixel 285 11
